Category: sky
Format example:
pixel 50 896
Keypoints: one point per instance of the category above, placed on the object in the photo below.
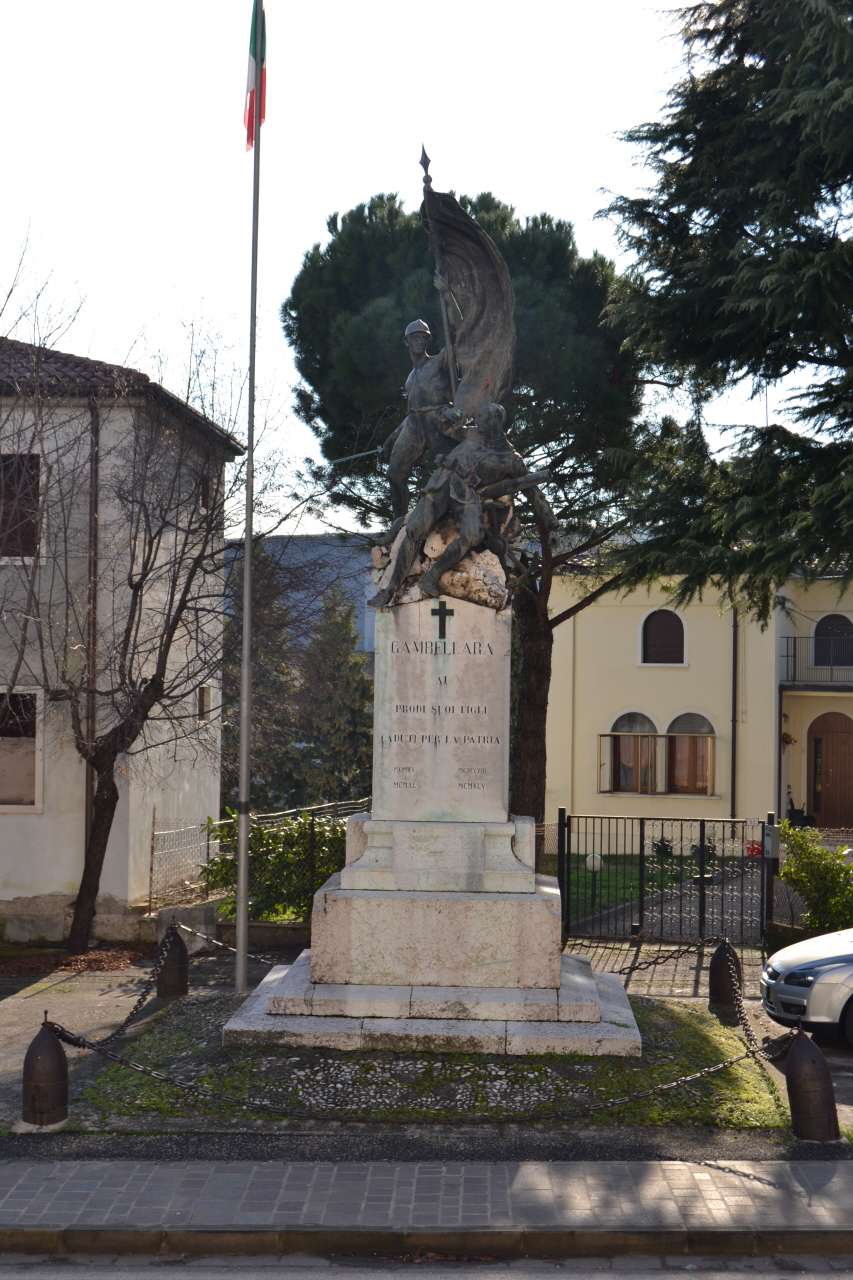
pixel 126 173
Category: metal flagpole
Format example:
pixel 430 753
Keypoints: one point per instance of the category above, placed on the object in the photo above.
pixel 245 783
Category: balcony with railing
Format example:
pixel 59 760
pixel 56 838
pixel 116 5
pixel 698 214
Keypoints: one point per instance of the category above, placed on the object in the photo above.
pixel 817 660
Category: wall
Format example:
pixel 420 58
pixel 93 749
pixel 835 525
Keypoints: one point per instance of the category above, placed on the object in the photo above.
pixel 597 675
pixel 41 853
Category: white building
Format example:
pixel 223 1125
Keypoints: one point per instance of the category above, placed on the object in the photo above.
pixel 79 558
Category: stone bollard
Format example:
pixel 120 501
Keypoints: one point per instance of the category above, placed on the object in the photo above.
pixel 45 1084
pixel 720 988
pixel 173 979
pixel 811 1096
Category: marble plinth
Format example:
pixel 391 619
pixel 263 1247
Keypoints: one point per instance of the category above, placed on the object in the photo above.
pixel 374 938
pixel 464 857
pixel 574 1000
pixel 613 1032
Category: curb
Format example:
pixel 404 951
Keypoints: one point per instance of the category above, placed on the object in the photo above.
pixel 532 1242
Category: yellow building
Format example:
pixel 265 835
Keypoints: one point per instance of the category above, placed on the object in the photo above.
pixel 688 713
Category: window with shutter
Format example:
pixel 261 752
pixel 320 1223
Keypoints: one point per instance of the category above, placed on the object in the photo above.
pixel 663 637
pixel 689 747
pixel 633 753
pixel 18 749
pixel 19 502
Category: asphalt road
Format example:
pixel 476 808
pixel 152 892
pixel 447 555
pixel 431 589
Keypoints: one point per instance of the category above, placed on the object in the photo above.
pixel 296 1267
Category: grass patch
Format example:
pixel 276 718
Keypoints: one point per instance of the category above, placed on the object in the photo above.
pixel 184 1040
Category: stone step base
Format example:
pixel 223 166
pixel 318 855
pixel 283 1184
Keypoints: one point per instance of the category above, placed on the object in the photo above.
pixel 616 1033
pixel 576 999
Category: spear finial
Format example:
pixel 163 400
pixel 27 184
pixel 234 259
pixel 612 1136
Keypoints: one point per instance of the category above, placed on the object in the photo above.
pixel 425 163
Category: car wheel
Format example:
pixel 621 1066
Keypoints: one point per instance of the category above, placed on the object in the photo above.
pixel 846 1024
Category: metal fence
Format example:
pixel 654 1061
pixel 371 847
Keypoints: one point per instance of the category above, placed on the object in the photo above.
pixel 665 879
pixel 178 856
pixel 817 660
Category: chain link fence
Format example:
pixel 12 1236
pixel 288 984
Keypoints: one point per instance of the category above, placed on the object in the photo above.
pixel 178 856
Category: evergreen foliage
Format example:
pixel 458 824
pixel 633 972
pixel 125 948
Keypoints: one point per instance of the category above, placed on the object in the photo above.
pixel 745 270
pixel 335 705
pixel 278 776
pixel 822 877
pixel 744 243
pixel 779 507
pixel 311 697
pixel 576 391
pixel 287 864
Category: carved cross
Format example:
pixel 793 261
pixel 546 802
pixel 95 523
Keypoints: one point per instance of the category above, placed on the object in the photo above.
pixel 442 613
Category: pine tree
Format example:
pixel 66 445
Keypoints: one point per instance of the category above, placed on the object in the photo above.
pixel 744 243
pixel 335 706
pixel 278 780
pixel 745 257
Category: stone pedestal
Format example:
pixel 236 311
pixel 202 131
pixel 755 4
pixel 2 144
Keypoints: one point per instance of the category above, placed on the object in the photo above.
pixel 436 939
pixel 438 934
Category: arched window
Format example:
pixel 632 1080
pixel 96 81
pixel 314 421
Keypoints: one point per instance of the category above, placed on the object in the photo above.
pixel 633 722
pixel 633 753
pixel 663 637
pixel 833 641
pixel 690 755
pixel 691 722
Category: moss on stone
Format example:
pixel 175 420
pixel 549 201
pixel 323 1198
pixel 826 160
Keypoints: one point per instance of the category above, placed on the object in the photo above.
pixel 678 1039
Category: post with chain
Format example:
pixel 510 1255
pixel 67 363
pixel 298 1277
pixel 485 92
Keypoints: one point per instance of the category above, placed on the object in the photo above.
pixel 811 1097
pixel 45 1082
pixel 725 977
pixel 173 979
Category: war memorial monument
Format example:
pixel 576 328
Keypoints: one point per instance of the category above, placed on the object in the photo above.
pixel 438 934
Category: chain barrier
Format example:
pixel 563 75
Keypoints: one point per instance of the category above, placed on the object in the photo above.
pixel 162 952
pixel 740 1008
pixel 224 945
pixel 772 1051
pixel 215 1095
pixel 690 949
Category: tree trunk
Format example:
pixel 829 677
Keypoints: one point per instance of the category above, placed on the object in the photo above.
pixel 103 810
pixel 528 763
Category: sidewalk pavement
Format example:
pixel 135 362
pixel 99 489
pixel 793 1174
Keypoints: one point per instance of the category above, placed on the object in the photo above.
pixel 506 1210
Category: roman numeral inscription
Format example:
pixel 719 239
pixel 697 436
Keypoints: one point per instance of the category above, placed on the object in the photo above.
pixel 442 713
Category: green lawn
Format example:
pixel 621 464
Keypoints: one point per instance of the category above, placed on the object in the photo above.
pixel 185 1039
pixel 618 881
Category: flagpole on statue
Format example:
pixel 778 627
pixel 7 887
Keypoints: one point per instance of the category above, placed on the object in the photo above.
pixel 253 119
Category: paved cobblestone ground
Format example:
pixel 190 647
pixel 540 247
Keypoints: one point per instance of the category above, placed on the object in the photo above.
pixel 763 1195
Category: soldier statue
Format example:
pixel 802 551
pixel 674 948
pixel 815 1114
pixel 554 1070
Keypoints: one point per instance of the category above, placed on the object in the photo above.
pixel 430 422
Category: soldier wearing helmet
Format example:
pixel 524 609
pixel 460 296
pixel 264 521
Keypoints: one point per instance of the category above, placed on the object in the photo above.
pixel 431 421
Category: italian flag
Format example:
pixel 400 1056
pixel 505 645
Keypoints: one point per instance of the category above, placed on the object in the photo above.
pixel 257 70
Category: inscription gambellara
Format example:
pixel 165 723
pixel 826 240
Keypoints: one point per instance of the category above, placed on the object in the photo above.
pixel 442 648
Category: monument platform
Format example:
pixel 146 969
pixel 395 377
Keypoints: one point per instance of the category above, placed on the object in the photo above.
pixel 437 934
pixel 587 1014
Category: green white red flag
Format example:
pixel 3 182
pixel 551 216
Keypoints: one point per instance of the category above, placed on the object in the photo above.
pixel 257 74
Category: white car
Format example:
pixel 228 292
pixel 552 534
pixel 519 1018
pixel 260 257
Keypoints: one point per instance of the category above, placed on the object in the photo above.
pixel 812 980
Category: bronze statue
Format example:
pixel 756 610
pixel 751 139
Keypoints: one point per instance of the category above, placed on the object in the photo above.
pixel 478 465
pixel 430 423
pixel 465 382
